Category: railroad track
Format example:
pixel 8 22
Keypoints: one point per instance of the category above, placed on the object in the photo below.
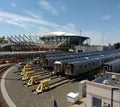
pixel 4 67
pixel 43 80
pixel 49 84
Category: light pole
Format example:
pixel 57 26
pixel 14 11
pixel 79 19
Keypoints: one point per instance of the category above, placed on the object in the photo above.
pixel 80 36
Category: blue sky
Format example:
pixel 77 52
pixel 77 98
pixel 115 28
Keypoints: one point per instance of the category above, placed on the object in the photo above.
pixel 97 19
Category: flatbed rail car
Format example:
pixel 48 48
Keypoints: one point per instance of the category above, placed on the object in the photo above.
pixel 81 67
pixel 112 66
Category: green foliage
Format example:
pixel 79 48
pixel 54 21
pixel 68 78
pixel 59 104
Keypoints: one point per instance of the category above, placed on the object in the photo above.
pixel 6 48
pixel 2 39
pixel 117 45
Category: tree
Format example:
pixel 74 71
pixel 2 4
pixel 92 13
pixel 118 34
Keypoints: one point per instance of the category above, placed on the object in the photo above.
pixel 117 45
pixel 2 39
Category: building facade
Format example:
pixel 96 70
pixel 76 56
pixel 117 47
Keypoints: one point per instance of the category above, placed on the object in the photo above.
pixel 104 92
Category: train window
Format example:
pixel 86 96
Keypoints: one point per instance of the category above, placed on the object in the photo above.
pixel 85 66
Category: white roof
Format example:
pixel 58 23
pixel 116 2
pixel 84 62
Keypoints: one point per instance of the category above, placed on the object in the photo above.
pixel 58 62
pixel 59 34
pixel 72 95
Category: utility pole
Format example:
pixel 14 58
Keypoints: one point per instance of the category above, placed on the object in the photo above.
pixel 102 39
pixel 80 32
pixel 80 37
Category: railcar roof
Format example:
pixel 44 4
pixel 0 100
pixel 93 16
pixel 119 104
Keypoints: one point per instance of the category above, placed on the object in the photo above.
pixel 114 62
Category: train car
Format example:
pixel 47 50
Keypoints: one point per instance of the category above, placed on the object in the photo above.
pixel 49 62
pixel 59 66
pixel 63 54
pixel 112 66
pixel 80 67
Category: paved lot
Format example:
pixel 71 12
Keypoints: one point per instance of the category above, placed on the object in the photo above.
pixel 2 101
pixel 23 97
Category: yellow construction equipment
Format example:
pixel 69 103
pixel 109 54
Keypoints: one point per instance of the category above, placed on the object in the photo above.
pixel 24 70
pixel 28 65
pixel 27 75
pixel 31 62
pixel 44 85
pixel 33 80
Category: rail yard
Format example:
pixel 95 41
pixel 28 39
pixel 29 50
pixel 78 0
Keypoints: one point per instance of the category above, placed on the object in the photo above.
pixel 59 53
pixel 45 76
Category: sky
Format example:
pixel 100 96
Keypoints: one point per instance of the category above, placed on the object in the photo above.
pixel 97 19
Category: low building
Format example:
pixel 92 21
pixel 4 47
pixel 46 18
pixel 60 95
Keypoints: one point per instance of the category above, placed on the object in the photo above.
pixel 104 92
pixel 92 48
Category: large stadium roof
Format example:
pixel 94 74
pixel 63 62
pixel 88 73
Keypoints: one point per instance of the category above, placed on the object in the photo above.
pixel 53 34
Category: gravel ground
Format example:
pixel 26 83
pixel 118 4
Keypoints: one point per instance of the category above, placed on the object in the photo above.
pixel 23 97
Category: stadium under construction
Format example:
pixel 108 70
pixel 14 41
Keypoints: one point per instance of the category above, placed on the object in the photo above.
pixel 50 41
pixel 63 41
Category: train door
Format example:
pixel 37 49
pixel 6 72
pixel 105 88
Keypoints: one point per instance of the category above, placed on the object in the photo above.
pixel 45 63
pixel 58 67
pixel 69 70
pixel 106 68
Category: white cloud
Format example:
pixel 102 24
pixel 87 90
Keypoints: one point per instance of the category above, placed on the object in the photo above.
pixel 24 20
pixel 39 25
pixel 13 4
pixel 15 23
pixel 47 6
pixel 61 6
pixel 107 17
pixel 32 14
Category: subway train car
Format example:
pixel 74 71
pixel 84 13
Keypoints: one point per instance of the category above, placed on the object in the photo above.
pixel 80 67
pixel 49 62
pixel 64 54
pixel 112 66
pixel 59 66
